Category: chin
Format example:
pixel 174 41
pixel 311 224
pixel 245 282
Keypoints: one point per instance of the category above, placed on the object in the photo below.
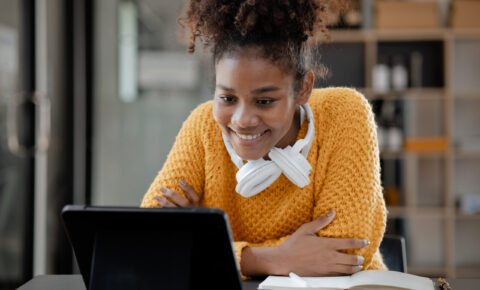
pixel 250 153
pixel 251 156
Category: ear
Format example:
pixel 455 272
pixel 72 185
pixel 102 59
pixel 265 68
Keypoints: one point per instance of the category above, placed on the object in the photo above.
pixel 306 88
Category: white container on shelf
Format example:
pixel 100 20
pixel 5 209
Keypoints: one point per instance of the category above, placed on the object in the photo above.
pixel 395 139
pixel 381 136
pixel 399 75
pixel 381 76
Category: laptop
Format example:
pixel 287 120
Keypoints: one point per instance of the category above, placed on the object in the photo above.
pixel 161 248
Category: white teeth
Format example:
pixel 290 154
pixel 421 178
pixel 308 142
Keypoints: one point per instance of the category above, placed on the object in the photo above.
pixel 248 137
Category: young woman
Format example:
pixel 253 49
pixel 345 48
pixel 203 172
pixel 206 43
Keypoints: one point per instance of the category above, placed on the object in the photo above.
pixel 296 169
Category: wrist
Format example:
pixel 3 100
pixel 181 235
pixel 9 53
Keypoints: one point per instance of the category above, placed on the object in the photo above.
pixel 261 261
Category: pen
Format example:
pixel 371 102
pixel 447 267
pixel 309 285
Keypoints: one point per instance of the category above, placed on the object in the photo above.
pixel 298 280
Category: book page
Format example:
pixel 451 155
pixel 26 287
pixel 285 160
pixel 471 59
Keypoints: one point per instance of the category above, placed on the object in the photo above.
pixel 283 282
pixel 390 278
pixel 338 282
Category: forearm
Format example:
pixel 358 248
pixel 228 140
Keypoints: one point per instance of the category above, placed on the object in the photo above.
pixel 261 261
pixel 351 184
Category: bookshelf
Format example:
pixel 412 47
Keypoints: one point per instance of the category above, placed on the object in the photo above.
pixel 427 183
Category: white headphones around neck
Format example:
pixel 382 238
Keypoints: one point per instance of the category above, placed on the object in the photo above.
pixel 256 175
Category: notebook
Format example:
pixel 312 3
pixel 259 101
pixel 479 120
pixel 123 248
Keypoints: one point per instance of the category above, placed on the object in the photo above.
pixel 370 279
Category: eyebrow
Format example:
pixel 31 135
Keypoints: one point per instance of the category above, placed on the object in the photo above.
pixel 255 92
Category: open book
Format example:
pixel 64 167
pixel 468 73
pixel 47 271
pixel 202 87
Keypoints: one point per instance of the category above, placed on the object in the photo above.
pixel 370 279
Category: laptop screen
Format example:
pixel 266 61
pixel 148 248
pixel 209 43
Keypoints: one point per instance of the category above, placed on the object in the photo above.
pixel 136 248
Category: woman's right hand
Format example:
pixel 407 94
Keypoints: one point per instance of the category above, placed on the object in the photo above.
pixel 307 254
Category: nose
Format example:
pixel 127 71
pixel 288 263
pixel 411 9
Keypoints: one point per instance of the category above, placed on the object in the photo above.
pixel 245 117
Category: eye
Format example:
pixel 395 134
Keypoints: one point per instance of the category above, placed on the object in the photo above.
pixel 226 99
pixel 265 101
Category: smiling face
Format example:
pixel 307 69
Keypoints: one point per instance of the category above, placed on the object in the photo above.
pixel 255 104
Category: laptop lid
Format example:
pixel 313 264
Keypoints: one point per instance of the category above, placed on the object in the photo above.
pixel 162 248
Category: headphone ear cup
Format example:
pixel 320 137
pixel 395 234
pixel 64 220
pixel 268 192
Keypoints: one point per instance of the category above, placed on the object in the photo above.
pixel 294 165
pixel 255 176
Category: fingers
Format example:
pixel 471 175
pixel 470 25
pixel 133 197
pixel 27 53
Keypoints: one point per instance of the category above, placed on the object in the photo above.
pixel 164 202
pixel 349 260
pixel 175 197
pixel 345 269
pixel 318 224
pixel 189 191
pixel 344 244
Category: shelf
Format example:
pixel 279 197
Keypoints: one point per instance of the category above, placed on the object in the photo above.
pixel 411 93
pixel 389 155
pixel 428 271
pixel 410 34
pixel 467 94
pixel 349 35
pixel 355 35
pixel 465 33
pixel 467 153
pixel 463 216
pixel 468 271
pixel 427 153
pixel 407 212
pixel 359 35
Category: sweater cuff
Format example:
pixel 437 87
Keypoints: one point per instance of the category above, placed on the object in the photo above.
pixel 239 246
pixel 377 262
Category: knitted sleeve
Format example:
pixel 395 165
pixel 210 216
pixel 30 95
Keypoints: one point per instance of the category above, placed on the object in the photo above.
pixel 185 161
pixel 351 183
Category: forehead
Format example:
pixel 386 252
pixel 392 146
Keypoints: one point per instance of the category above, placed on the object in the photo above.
pixel 250 70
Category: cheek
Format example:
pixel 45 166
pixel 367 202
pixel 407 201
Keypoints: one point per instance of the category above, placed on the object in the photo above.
pixel 281 119
pixel 281 128
pixel 220 115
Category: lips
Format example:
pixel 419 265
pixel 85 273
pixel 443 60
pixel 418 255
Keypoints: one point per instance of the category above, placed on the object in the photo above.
pixel 248 138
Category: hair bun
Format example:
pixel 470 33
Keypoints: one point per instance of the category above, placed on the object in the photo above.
pixel 250 21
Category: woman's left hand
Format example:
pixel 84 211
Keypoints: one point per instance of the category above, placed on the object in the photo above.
pixel 174 199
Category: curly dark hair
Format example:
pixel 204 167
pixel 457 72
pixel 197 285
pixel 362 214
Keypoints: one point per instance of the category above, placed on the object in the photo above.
pixel 280 28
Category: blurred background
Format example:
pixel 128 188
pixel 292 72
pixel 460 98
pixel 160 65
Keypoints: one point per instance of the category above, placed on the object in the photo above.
pixel 93 93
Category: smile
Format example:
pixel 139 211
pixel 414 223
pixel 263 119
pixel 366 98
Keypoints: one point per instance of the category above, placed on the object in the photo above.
pixel 249 139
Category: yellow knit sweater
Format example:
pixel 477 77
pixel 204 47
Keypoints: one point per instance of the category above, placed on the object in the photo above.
pixel 345 177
